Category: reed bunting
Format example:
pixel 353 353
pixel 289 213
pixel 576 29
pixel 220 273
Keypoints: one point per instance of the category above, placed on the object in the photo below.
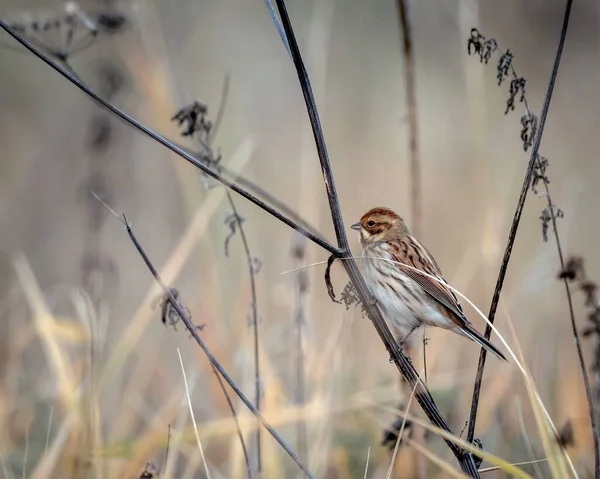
pixel 407 298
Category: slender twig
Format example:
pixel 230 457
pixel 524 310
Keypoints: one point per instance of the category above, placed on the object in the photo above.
pixel 215 363
pixel 536 163
pixel 402 362
pixel 254 307
pixel 215 371
pixel 577 341
pixel 235 419
pixel 194 118
pixel 167 143
pixel 410 97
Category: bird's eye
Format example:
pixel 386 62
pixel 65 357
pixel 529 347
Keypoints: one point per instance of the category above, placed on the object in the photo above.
pixel 371 223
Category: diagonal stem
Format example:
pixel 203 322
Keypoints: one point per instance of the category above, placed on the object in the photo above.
pixel 214 362
pixel 516 219
pixel 167 143
pixel 403 364
pixel 315 123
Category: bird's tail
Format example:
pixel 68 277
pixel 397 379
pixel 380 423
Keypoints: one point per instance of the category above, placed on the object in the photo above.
pixel 469 331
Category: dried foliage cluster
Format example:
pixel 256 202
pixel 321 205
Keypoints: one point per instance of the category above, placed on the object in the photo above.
pixel 73 30
pixel 574 272
pixel 478 44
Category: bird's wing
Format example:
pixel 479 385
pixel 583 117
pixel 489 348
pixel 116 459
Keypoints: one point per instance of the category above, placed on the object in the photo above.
pixel 414 254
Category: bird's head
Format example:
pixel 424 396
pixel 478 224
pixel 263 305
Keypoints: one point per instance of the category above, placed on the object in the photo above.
pixel 379 224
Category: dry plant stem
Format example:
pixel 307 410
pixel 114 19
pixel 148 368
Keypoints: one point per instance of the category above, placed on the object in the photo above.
pixel 251 272
pixel 525 188
pixel 583 366
pixel 235 418
pixel 254 322
pixel 214 362
pixel 410 96
pixel 167 143
pixel 422 394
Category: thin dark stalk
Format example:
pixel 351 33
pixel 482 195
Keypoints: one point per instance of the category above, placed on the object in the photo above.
pixel 167 143
pixel 235 419
pixel 410 96
pixel 237 225
pixel 582 364
pixel 254 307
pixel 534 158
pixel 214 362
pixel 403 364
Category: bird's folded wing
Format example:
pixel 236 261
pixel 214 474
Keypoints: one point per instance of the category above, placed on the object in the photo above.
pixel 436 288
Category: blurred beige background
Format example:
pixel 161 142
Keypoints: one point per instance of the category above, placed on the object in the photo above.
pixel 171 53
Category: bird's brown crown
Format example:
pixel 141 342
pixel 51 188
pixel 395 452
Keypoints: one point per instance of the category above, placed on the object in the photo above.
pixel 380 224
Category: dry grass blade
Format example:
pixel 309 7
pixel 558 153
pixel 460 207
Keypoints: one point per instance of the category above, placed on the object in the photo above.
pixel 367 463
pixel 559 461
pixel 525 463
pixel 525 437
pixel 189 400
pixel 438 461
pixel 46 328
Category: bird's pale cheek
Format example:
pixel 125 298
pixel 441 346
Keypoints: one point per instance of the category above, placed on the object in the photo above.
pixel 363 237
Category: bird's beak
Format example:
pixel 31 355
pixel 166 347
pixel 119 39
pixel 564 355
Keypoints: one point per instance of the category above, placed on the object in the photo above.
pixel 356 226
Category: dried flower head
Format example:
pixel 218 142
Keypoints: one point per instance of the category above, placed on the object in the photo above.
pixel 194 119
pixel 566 436
pixel 517 85
pixel 539 174
pixel 169 315
pixel 478 44
pixel 546 218
pixel 504 66
pixel 68 31
pixel 529 123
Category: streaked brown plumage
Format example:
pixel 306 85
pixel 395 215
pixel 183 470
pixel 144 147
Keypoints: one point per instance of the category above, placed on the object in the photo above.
pixel 407 298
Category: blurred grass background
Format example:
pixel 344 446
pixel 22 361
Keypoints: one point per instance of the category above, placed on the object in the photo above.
pixel 75 306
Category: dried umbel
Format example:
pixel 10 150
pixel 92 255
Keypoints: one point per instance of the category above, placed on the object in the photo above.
pixel 64 32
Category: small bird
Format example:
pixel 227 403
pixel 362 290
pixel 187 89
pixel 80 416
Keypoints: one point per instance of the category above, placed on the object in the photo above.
pixel 407 298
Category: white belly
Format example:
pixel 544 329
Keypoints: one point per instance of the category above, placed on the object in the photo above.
pixel 414 309
pixel 401 316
